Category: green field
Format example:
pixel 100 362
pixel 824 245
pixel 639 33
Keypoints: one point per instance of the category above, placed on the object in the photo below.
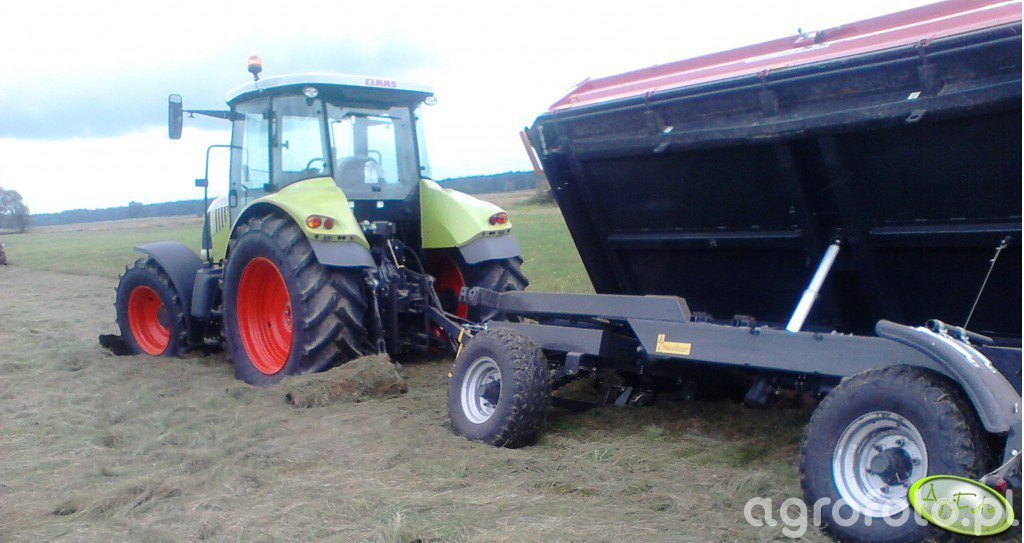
pixel 103 249
pixel 95 249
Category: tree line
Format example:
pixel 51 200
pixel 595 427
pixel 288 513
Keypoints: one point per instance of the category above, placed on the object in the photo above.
pixel 477 184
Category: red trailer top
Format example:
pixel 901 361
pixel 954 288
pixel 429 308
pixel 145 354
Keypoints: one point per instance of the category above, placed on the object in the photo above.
pixel 903 28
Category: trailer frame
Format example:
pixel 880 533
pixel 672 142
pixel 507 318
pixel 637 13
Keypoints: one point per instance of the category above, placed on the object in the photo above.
pixel 661 336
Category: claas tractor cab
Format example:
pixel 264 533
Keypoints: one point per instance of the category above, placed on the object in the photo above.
pixel 332 241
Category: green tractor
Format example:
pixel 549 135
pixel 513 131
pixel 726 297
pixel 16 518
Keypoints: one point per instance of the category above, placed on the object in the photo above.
pixel 331 243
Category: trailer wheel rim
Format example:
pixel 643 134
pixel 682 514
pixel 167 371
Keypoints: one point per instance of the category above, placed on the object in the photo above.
pixel 147 319
pixel 448 283
pixel 481 389
pixel 877 458
pixel 264 315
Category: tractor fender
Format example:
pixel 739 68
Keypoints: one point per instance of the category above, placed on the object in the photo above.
pixel 491 248
pixel 449 218
pixel 343 247
pixel 342 254
pixel 181 265
pixel 993 397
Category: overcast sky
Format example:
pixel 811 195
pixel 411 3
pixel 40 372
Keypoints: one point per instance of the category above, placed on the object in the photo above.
pixel 83 86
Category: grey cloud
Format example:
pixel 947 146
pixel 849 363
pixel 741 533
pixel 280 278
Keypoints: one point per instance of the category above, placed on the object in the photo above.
pixel 111 104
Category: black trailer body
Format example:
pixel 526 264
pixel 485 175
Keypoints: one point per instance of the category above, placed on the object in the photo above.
pixel 729 192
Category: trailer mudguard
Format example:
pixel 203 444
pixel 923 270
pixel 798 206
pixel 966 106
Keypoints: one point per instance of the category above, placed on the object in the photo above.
pixel 1013 442
pixel 996 401
pixel 181 264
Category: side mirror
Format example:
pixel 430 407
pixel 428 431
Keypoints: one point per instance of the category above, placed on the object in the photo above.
pixel 174 116
pixel 202 183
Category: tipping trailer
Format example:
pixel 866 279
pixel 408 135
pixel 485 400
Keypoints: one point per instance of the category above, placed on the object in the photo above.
pixel 810 212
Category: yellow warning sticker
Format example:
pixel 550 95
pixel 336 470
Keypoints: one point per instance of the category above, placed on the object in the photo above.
pixel 672 347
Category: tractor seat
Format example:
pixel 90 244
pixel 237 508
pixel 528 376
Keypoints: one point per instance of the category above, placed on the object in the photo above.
pixel 351 171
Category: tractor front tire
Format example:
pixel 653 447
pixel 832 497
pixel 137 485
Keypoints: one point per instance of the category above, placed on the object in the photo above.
pixel 149 312
pixel 874 435
pixel 284 312
pixel 500 389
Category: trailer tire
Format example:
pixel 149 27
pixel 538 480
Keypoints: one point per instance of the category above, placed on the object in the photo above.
pixel 150 314
pixel 272 271
pixel 511 413
pixel 904 422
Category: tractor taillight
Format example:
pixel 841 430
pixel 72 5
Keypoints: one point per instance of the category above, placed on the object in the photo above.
pixel 319 221
pixel 498 218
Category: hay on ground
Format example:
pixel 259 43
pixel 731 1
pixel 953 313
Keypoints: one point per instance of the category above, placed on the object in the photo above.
pixel 361 379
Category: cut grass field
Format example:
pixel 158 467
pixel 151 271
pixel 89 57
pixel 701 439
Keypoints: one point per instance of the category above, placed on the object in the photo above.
pixel 95 447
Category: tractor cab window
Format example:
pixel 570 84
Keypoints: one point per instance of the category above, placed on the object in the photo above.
pixel 250 156
pixel 299 150
pixel 372 152
pixel 421 143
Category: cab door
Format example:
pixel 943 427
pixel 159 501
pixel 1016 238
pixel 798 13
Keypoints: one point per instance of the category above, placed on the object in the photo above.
pixel 250 169
pixel 250 158
pixel 300 148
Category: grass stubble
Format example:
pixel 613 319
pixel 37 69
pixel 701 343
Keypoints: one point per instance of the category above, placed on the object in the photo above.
pixel 95 447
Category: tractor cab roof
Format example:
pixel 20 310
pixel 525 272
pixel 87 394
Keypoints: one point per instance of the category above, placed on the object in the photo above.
pixel 360 88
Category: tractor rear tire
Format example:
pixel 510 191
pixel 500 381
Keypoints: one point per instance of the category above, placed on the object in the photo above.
pixel 500 389
pixel 451 272
pixel 909 421
pixel 149 312
pixel 284 312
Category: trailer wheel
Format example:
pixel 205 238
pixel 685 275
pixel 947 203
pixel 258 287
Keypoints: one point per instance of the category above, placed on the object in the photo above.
pixel 284 312
pixel 149 312
pixel 872 437
pixel 451 273
pixel 499 389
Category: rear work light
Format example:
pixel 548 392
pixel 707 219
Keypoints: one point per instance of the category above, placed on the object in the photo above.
pixel 498 218
pixel 317 221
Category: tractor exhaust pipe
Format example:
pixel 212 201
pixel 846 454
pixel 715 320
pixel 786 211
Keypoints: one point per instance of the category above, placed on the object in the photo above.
pixel 796 322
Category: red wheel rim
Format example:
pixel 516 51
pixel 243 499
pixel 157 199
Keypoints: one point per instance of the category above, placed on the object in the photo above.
pixel 147 318
pixel 264 315
pixel 448 283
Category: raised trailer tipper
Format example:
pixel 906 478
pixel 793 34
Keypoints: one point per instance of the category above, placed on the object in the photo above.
pixel 836 212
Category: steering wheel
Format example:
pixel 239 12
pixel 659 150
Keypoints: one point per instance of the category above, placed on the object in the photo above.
pixel 309 165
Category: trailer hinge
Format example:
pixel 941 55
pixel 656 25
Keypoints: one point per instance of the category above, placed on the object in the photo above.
pixel 656 123
pixel 767 98
pixel 927 72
